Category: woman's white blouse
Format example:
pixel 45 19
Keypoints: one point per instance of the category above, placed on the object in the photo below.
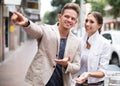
pixel 97 57
pixel 84 59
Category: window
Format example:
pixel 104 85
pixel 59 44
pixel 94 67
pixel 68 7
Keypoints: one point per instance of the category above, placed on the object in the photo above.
pixel 32 5
pixel 107 36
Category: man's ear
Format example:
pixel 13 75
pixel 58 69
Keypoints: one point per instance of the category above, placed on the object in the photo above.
pixel 76 21
pixel 59 16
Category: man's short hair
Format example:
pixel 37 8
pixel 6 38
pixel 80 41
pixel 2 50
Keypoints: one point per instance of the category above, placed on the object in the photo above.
pixel 73 6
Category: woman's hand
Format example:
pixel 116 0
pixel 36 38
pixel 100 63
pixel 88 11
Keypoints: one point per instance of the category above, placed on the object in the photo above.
pixel 82 78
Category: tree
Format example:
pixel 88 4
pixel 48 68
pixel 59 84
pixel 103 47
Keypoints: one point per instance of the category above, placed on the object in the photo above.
pixel 51 17
pixel 115 11
pixel 58 5
pixel 97 5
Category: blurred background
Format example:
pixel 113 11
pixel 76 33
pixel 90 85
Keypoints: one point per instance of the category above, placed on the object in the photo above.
pixel 45 11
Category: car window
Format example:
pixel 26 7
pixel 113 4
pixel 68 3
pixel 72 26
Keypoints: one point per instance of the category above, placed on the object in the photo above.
pixel 107 36
pixel 113 37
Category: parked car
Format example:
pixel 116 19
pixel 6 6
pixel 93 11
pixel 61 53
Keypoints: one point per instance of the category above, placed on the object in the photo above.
pixel 113 38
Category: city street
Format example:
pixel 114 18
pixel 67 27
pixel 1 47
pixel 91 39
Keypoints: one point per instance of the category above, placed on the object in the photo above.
pixel 16 63
pixel 13 69
pixel 17 48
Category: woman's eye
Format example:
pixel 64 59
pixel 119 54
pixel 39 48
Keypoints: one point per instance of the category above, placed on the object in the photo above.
pixel 91 21
pixel 73 18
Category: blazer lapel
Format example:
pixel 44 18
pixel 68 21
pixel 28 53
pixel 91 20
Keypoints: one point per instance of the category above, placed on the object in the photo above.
pixel 58 37
pixel 68 45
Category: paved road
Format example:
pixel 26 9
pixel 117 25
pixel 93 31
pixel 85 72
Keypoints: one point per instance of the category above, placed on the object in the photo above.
pixel 13 69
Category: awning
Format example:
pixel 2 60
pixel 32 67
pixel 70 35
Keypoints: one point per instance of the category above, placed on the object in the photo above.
pixel 12 2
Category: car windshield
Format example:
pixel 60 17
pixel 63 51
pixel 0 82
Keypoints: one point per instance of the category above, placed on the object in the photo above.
pixel 116 38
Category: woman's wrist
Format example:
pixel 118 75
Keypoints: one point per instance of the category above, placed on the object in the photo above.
pixel 89 74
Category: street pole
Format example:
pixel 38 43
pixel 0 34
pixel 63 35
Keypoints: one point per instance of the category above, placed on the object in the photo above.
pixel 1 32
pixel 81 17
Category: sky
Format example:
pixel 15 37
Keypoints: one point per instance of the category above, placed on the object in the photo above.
pixel 45 6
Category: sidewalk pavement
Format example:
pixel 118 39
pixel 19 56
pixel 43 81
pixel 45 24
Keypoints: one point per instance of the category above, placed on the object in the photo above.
pixel 14 67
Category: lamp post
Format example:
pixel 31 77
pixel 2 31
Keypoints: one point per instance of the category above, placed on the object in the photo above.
pixel 81 16
pixel 1 32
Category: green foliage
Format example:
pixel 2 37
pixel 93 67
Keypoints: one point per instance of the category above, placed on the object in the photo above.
pixel 97 6
pixel 115 7
pixel 77 1
pixel 57 3
pixel 51 17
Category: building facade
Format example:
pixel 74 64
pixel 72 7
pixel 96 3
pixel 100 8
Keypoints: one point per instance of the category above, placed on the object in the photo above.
pixel 12 36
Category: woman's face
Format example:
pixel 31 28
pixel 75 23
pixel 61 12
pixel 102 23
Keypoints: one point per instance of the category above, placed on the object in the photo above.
pixel 91 25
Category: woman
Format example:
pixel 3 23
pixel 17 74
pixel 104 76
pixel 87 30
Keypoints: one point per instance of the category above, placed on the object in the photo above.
pixel 95 53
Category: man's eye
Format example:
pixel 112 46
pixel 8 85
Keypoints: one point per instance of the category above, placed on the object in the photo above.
pixel 67 16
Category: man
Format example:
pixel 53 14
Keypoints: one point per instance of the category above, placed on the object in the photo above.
pixel 57 58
